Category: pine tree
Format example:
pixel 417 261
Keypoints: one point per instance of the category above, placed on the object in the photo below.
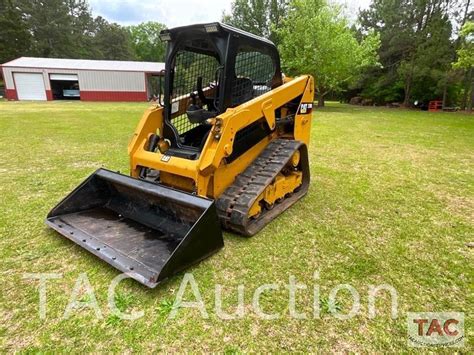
pixel 416 49
pixel 15 39
pixel 112 41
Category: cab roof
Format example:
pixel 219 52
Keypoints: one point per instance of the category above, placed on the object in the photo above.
pixel 216 27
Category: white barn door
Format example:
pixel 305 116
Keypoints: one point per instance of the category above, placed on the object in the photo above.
pixel 30 86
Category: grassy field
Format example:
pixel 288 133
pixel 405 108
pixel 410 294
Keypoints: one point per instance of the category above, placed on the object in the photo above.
pixel 391 202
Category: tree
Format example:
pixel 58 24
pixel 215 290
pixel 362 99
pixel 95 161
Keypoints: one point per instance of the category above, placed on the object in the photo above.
pixel 425 68
pixel 51 27
pixel 260 17
pixel 112 41
pixel 59 28
pixel 82 27
pixel 466 55
pixel 416 49
pixel 15 39
pixel 146 41
pixel 317 40
pixel 466 15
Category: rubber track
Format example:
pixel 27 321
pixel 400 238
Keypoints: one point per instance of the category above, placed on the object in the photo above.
pixel 234 204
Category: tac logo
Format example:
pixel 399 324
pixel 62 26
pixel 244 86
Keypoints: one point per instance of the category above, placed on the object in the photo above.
pixel 441 329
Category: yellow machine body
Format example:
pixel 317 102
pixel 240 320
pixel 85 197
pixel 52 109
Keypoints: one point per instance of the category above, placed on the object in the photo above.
pixel 209 175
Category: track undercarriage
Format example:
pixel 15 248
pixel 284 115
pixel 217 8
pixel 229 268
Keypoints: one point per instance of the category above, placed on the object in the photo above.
pixel 272 183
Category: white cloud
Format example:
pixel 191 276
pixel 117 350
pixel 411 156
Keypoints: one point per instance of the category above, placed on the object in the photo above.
pixel 170 12
pixel 179 12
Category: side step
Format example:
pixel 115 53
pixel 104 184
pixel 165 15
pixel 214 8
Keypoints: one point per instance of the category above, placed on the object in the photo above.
pixel 146 230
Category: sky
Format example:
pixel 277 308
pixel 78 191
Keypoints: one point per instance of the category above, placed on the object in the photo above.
pixel 178 12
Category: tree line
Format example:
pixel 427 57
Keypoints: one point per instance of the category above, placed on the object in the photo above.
pixel 67 29
pixel 401 51
pixel 396 51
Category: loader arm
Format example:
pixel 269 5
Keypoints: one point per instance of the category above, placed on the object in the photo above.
pixel 219 144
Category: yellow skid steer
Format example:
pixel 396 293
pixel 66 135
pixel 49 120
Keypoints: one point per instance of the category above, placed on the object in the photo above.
pixel 225 147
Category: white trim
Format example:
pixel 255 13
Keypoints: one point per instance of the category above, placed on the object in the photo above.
pixel 64 77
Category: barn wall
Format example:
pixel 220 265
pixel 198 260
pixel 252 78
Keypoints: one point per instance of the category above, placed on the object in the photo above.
pixel 11 94
pixel 95 85
pixel 111 81
pixel 113 96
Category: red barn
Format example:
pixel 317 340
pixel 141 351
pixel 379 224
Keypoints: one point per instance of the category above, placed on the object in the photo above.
pixel 89 80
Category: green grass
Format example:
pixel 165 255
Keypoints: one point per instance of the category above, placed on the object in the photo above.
pixel 391 201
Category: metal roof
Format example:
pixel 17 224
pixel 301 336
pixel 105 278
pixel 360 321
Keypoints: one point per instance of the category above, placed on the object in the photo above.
pixel 85 64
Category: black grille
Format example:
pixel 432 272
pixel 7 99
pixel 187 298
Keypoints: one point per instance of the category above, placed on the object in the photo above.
pixel 189 66
pixel 247 137
pixel 254 72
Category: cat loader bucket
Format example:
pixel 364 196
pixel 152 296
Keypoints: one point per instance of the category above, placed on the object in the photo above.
pixel 146 230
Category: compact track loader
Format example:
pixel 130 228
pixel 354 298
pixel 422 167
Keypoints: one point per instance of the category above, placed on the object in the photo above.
pixel 225 147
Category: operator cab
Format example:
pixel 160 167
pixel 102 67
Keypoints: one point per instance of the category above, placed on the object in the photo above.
pixel 209 68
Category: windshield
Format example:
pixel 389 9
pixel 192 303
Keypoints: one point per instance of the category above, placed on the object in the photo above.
pixel 193 71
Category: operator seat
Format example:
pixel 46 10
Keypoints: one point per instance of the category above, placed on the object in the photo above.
pixel 242 91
